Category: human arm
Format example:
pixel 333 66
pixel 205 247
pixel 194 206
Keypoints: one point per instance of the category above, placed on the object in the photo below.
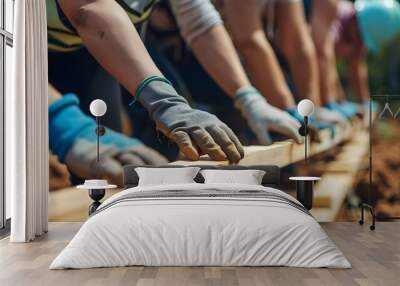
pixel 243 20
pixel 111 38
pixel 331 90
pixel 324 13
pixel 222 62
pixel 244 23
pixel 53 94
pixel 294 40
pixel 72 138
pixel 215 52
pixel 359 78
pixel 213 48
pixel 201 27
pixel 109 35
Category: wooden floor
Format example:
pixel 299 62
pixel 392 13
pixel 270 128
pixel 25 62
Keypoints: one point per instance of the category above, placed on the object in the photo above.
pixel 375 257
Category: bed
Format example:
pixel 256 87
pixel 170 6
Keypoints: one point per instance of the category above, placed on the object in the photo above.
pixel 201 224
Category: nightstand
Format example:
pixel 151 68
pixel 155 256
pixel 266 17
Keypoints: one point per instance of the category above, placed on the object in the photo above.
pixel 304 189
pixel 97 190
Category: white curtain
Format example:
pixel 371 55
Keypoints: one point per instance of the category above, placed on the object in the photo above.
pixel 26 124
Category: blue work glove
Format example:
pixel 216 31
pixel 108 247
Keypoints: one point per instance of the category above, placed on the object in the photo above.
pixel 312 122
pixel 347 109
pixel 313 125
pixel 263 117
pixel 195 132
pixel 73 139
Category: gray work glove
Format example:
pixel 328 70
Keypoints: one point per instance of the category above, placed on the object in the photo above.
pixel 263 117
pixel 195 132
pixel 81 159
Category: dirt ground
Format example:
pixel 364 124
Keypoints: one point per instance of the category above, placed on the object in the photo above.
pixel 385 188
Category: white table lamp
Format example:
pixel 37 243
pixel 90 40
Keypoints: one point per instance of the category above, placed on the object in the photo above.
pixel 97 188
pixel 98 108
pixel 305 108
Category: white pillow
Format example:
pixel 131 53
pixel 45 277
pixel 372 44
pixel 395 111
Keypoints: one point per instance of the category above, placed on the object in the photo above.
pixel 165 176
pixel 246 177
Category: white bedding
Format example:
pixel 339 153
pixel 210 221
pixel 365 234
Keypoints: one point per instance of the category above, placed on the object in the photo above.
pixel 190 230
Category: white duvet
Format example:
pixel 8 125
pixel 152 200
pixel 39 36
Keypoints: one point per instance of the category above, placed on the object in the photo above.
pixel 189 231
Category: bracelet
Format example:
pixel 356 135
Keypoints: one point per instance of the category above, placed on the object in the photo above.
pixel 144 83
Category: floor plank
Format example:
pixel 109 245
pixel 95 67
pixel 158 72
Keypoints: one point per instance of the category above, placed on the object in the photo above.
pixel 375 257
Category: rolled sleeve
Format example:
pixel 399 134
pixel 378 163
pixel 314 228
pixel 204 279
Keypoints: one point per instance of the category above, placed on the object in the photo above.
pixel 195 17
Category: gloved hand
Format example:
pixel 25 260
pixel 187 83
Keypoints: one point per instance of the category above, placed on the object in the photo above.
pixel 313 124
pixel 195 132
pixel 347 109
pixel 352 108
pixel 74 141
pixel 263 117
pixel 330 116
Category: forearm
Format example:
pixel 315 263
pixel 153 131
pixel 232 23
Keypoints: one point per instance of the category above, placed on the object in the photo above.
pixel 327 80
pixel 304 68
pixel 329 84
pixel 339 94
pixel 323 15
pixel 294 40
pixel 359 79
pixel 215 52
pixel 109 35
pixel 53 94
pixel 264 71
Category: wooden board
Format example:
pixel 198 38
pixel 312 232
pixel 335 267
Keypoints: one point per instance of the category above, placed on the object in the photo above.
pixel 338 178
pixel 375 258
pixel 71 204
pixel 286 152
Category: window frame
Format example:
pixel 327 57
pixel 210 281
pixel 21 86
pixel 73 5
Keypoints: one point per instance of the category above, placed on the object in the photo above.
pixel 6 39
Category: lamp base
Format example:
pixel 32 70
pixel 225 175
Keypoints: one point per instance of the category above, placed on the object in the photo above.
pixel 305 193
pixel 305 190
pixel 96 195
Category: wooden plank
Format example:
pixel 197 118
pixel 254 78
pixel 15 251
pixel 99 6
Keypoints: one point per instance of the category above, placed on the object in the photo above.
pixel 71 204
pixel 338 178
pixel 285 152
pixel 322 201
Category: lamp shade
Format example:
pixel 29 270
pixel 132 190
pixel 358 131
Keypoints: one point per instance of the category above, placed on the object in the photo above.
pixel 305 107
pixel 98 107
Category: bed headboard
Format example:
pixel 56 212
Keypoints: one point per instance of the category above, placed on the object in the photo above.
pixel 271 177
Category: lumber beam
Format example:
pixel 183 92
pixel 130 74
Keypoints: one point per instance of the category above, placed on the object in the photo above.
pixel 287 152
pixel 338 178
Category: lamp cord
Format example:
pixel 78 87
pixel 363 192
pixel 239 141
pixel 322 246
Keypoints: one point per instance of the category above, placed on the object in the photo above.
pixel 370 152
pixel 98 138
pixel 305 135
